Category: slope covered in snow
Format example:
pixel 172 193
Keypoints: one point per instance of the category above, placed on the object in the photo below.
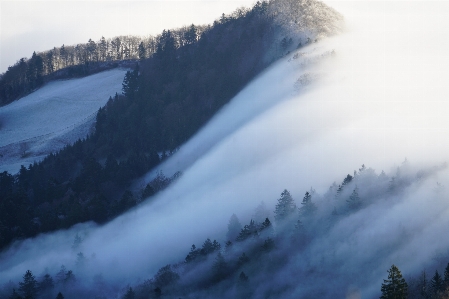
pixel 50 118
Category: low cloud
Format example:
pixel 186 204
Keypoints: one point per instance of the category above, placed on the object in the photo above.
pixel 378 99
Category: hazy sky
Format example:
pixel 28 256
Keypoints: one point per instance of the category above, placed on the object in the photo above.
pixel 27 26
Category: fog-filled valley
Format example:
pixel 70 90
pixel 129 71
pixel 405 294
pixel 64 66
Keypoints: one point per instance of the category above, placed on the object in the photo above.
pixel 354 126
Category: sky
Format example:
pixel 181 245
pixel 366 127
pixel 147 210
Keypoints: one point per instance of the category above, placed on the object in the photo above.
pixel 27 26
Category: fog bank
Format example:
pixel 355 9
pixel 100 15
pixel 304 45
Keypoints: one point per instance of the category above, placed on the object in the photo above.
pixel 375 95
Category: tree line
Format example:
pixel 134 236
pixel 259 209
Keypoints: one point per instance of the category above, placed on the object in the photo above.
pixel 252 253
pixel 68 61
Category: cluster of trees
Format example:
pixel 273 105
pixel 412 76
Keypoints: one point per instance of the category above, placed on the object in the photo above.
pixel 44 287
pixel 58 207
pixel 262 248
pixel 83 59
pixel 395 286
pixel 164 102
pixel 247 244
pixel 288 17
pixel 251 253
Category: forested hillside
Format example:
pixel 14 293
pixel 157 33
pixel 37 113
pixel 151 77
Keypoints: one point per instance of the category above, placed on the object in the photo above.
pixel 276 254
pixel 166 99
pixel 28 74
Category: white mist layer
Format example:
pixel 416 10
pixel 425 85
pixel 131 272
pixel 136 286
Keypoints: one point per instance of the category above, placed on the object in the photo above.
pixel 381 98
pixel 58 114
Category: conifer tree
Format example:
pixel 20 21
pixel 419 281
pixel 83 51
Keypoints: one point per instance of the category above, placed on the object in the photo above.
pixel 165 276
pixel 46 284
pixel 129 294
pixel 142 51
pixel 285 207
pixel 234 227
pixel 220 267
pixel 191 35
pixel 395 286
pixel 28 287
pixel 354 200
pixel 308 207
pixel 247 231
pixel 446 277
pixel 265 225
pixel 423 286
pixel 437 284
pixel 193 254
pixel 15 295
pixel 243 259
pixel 243 277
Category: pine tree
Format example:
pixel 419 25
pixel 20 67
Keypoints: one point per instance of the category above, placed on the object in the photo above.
pixel 59 296
pixel 234 227
pixel 285 207
pixel 220 267
pixel 354 200
pixel 423 286
pixel 446 277
pixel 208 247
pixel 191 35
pixel 243 259
pixel 142 51
pixel 247 231
pixel 266 225
pixel 308 207
pixel 15 295
pixel 80 259
pixel 268 245
pixel 47 284
pixel 437 284
pixel 60 276
pixel 130 83
pixel 395 286
pixel 28 287
pixel 243 277
pixel 165 276
pixel 193 254
pixel 129 294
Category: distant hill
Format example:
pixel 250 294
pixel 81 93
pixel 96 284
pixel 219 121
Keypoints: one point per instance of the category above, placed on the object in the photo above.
pixel 166 99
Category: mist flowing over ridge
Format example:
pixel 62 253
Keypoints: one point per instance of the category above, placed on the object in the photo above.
pixel 373 96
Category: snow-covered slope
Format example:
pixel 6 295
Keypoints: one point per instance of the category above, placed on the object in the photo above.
pixel 58 114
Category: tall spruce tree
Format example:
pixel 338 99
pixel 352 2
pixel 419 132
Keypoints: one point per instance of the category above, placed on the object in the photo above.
pixel 354 200
pixel 28 287
pixel 395 286
pixel 446 277
pixel 234 227
pixel 308 207
pixel 285 207
pixel 129 294
pixel 437 284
